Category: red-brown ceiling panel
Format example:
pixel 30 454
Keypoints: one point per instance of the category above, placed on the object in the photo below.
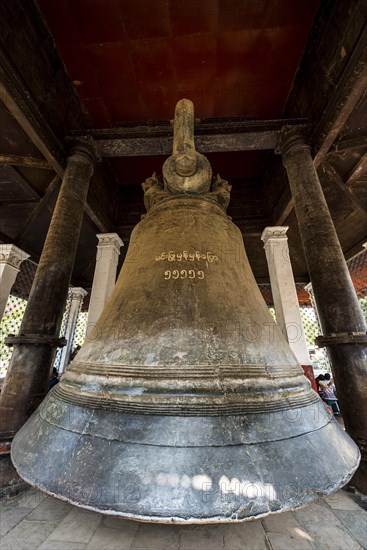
pixel 236 15
pixel 134 59
pixel 145 19
pixel 195 59
pixel 98 22
pixel 193 16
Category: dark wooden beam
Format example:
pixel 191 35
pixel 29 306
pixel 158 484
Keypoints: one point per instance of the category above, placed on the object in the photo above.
pixel 353 144
pixel 359 174
pixel 55 155
pixel 285 204
pixel 39 93
pixel 28 162
pixel 156 139
pixel 329 82
pixel 35 128
pixel 5 239
pixel 43 203
pixel 13 180
pixel 355 250
pixel 333 120
pixel 283 207
pixel 35 85
pixel 335 177
pixel 332 75
pixel 137 147
pixel 333 62
pixel 96 213
pixel 18 202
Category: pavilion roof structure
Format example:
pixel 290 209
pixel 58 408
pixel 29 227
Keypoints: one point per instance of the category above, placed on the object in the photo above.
pixel 114 70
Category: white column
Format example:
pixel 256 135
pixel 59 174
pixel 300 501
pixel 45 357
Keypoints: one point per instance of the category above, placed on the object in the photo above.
pixel 284 291
pixel 309 289
pixel 76 295
pixel 10 259
pixel 104 279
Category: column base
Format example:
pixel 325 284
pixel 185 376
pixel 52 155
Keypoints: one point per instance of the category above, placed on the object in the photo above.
pixel 10 482
pixel 359 480
pixel 308 372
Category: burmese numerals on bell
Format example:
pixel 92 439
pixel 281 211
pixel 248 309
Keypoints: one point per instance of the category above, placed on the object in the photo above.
pixel 183 274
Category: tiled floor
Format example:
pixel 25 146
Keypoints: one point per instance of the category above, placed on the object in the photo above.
pixel 35 521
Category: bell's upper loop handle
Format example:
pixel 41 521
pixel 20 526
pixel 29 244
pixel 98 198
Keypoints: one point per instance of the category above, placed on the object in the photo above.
pixel 183 127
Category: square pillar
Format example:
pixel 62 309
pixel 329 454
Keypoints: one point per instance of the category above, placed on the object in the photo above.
pixel 104 279
pixel 77 295
pixel 11 258
pixel 285 295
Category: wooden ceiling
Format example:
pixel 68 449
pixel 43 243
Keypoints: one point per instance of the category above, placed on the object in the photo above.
pixel 134 59
pixel 88 65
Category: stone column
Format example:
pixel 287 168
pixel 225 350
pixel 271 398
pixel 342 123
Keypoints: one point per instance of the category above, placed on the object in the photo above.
pixel 76 299
pixel 26 382
pixel 104 279
pixel 342 322
pixel 11 258
pixel 285 295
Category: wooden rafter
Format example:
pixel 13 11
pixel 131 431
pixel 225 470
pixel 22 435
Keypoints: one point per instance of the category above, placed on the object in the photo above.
pixel 25 161
pixel 51 190
pixel 37 130
pixel 283 207
pixel 359 173
pixel 352 144
pixel 42 115
pixel 335 177
pixel 341 118
pixel 328 92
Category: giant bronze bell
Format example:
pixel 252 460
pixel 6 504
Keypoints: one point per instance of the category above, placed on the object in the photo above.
pixel 186 403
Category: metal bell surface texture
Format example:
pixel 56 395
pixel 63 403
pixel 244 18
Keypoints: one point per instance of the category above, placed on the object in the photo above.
pixel 185 404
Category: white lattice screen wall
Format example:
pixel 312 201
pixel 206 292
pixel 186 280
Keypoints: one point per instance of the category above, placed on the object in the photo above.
pixel 10 324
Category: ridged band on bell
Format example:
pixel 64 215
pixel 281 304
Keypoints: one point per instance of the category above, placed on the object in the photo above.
pixel 186 403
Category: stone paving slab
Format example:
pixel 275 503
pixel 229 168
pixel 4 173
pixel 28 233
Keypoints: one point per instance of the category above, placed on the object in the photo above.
pixel 77 526
pixel 246 536
pixel 50 509
pixel 341 501
pixel 325 529
pixel 111 539
pixel 278 541
pixel 202 538
pixel 11 517
pixel 61 545
pixel 34 521
pixel 27 535
pixel 161 537
pixel 355 522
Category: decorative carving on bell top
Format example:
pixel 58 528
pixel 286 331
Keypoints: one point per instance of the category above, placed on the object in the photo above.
pixel 185 172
